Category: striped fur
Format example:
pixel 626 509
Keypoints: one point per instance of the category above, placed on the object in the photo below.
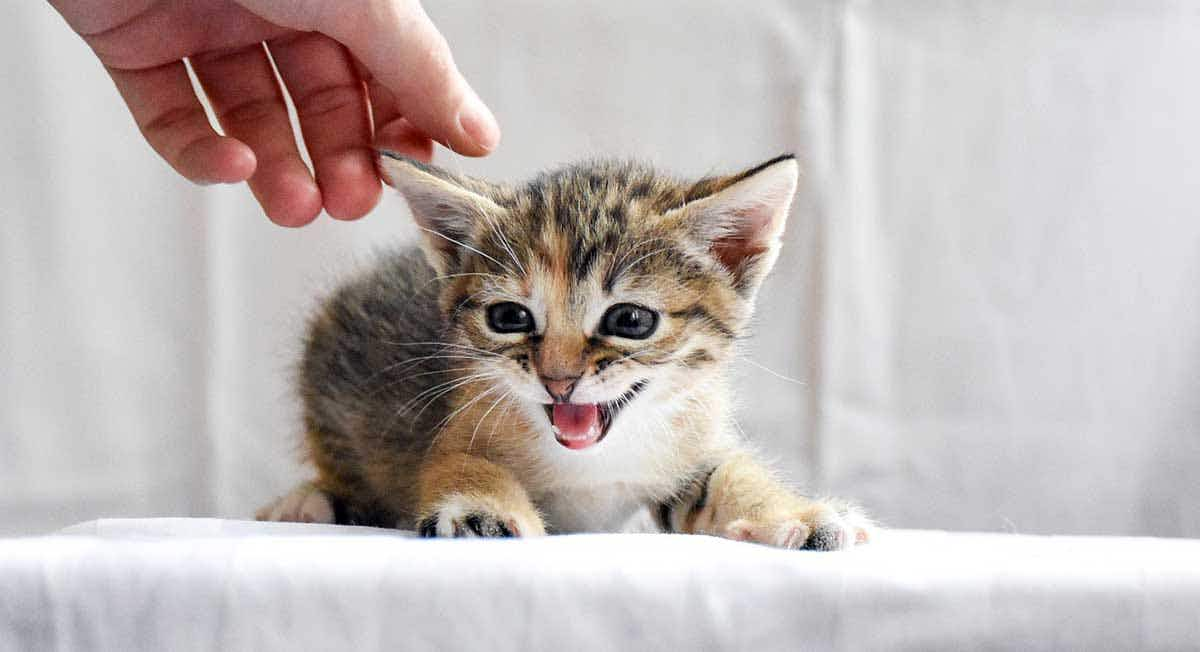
pixel 420 415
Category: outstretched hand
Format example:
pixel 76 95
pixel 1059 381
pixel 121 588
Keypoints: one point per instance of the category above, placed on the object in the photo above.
pixel 362 74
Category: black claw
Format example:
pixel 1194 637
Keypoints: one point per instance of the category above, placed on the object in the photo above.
pixel 824 537
pixel 341 513
pixel 481 525
pixel 664 517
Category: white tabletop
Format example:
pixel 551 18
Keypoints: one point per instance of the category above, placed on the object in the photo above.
pixel 178 584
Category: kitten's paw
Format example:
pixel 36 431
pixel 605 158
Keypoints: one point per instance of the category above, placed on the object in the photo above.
pixel 462 516
pixel 823 526
pixel 304 504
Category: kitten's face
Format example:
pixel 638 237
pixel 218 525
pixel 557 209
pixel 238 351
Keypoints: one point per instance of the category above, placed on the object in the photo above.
pixel 597 288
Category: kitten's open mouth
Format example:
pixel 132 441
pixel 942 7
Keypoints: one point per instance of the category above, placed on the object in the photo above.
pixel 580 425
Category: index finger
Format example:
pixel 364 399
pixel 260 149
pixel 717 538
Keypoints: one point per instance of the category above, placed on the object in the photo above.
pixel 172 120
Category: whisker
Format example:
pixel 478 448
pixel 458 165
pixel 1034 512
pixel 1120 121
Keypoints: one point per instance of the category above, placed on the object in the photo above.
pixel 443 277
pixel 484 417
pixel 443 389
pixel 462 274
pixel 637 247
pixel 487 447
pixel 459 348
pixel 396 381
pixel 471 297
pixel 505 244
pixel 623 268
pixel 417 417
pixel 441 426
pixel 443 344
pixel 469 247
pixel 448 370
pixel 455 355
pixel 772 371
pixel 396 366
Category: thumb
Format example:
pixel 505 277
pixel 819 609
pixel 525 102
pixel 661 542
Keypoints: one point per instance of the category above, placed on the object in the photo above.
pixel 403 50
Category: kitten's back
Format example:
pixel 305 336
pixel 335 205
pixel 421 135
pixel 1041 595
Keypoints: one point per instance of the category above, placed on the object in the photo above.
pixel 369 380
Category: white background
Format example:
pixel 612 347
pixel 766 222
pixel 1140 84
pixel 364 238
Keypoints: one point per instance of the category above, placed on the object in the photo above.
pixel 990 290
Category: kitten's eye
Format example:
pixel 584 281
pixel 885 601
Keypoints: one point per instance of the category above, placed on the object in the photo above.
pixel 630 321
pixel 509 317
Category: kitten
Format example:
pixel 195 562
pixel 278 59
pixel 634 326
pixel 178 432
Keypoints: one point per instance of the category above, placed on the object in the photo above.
pixel 556 362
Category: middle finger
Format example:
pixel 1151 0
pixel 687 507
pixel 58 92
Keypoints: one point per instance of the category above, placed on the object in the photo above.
pixel 332 106
pixel 249 104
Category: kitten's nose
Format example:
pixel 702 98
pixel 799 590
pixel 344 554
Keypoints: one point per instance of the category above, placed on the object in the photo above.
pixel 560 388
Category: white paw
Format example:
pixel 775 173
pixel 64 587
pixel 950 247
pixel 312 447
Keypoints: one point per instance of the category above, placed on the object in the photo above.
pixel 463 517
pixel 824 526
pixel 305 504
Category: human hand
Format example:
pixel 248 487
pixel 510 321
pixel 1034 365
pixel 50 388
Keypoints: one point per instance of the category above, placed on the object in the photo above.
pixel 348 65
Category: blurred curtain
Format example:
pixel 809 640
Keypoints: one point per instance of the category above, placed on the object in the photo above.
pixel 987 314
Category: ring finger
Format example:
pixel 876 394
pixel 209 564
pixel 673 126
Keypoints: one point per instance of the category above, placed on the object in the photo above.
pixel 248 102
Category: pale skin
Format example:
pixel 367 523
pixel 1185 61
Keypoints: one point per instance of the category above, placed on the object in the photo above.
pixel 362 73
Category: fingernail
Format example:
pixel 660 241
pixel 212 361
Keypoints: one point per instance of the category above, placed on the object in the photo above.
pixel 479 123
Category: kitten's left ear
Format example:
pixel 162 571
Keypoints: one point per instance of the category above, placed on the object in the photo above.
pixel 741 221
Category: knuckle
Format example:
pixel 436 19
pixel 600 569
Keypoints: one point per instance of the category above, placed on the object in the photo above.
pixel 250 111
pixel 328 99
pixel 172 120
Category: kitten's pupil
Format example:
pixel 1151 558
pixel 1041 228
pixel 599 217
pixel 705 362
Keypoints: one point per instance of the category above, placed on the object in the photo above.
pixel 629 321
pixel 509 317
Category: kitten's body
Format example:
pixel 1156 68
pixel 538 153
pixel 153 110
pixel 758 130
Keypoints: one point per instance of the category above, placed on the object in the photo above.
pixel 366 359
pixel 425 407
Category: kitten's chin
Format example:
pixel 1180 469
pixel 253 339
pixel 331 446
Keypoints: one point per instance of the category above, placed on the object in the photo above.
pixel 582 425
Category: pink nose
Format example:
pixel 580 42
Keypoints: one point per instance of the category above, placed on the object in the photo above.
pixel 560 388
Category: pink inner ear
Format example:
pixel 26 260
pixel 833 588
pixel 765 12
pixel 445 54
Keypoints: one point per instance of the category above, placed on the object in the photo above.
pixel 745 239
pixel 733 251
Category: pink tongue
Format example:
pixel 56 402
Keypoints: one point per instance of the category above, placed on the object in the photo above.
pixel 576 426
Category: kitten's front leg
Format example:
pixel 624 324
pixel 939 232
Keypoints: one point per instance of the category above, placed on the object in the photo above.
pixel 740 499
pixel 467 496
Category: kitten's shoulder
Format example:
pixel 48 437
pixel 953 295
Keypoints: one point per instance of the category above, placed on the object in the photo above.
pixel 392 299
pixel 395 277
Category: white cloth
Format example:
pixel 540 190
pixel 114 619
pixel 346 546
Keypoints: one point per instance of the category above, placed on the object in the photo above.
pixel 988 294
pixel 184 584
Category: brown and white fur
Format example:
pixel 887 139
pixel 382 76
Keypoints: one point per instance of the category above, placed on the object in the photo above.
pixel 421 413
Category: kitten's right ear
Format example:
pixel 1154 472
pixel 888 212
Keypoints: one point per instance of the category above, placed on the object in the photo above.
pixel 446 207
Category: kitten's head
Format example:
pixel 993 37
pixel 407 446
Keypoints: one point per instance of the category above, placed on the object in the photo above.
pixel 599 286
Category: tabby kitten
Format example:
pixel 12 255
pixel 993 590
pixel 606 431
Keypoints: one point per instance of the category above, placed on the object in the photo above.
pixel 557 362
